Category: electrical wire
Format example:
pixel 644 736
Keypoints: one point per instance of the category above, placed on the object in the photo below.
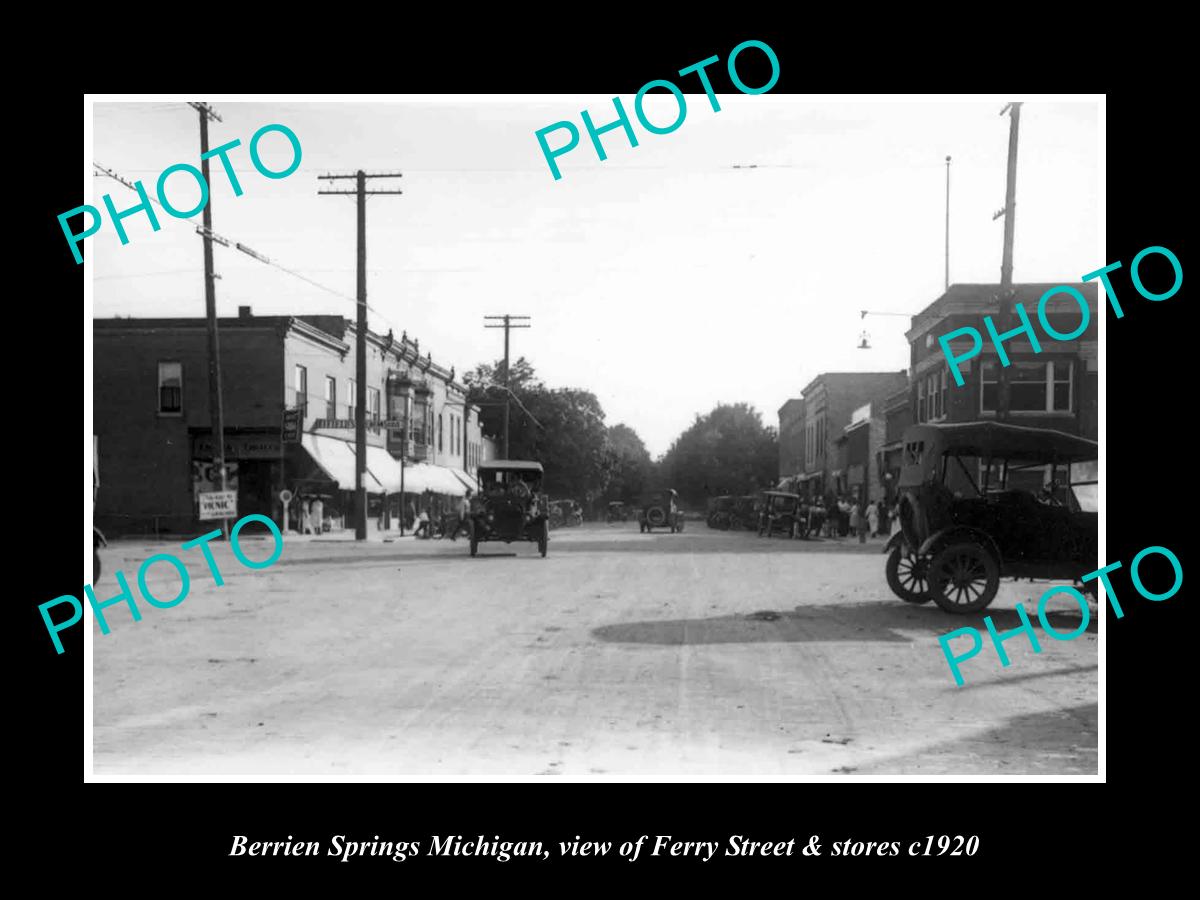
pixel 251 253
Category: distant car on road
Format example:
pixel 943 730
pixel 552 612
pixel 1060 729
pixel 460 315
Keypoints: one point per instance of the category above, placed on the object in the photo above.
pixel 565 512
pixel 984 500
pixel 720 510
pixel 617 512
pixel 660 509
pixel 783 513
pixel 510 505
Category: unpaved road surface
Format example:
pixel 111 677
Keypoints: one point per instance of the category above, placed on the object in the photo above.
pixel 698 655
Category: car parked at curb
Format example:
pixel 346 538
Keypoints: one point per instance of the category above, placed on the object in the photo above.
pixel 981 501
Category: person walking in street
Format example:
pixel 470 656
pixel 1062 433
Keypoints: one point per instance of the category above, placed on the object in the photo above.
pixel 855 520
pixel 317 512
pixel 463 519
pixel 423 529
pixel 873 518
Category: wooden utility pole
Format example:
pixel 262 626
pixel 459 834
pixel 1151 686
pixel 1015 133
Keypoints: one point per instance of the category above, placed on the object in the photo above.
pixel 360 369
pixel 1007 294
pixel 507 325
pixel 216 408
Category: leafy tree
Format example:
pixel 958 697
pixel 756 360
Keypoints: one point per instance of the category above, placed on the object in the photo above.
pixel 630 469
pixel 727 451
pixel 563 428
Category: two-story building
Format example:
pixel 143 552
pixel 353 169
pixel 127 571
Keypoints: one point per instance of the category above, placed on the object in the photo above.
pixel 791 438
pixel 153 424
pixel 830 401
pixel 1055 388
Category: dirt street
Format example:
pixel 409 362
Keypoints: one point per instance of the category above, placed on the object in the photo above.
pixel 702 654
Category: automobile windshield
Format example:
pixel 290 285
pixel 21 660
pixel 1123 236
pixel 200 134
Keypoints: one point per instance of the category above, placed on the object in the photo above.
pixel 1084 485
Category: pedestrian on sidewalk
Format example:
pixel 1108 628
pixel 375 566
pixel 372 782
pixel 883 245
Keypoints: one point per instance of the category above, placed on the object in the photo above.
pixel 856 520
pixel 873 518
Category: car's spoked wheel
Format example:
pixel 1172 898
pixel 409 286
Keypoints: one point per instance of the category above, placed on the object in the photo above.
pixel 963 578
pixel 907 576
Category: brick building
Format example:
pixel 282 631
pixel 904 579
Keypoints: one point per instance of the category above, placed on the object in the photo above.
pixel 897 416
pixel 152 419
pixel 1056 388
pixel 791 438
pixel 830 402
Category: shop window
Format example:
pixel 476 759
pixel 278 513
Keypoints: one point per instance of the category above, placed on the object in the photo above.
pixel 439 432
pixel 170 388
pixel 352 401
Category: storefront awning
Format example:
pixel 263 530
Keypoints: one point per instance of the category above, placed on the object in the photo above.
pixel 384 468
pixel 336 459
pixel 467 480
pixel 421 477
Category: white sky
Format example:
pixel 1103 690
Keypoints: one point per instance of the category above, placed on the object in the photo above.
pixel 661 279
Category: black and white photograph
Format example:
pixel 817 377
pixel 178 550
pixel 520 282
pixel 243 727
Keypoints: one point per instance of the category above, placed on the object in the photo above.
pixel 537 438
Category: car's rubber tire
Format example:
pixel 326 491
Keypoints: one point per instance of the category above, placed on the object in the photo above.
pixel 655 516
pixel 679 526
pixel 474 545
pixel 906 577
pixel 95 565
pixel 802 529
pixel 963 578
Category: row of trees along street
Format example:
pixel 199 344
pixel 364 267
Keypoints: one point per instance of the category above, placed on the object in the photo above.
pixel 727 451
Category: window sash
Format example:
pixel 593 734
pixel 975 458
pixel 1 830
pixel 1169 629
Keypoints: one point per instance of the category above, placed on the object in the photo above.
pixel 170 387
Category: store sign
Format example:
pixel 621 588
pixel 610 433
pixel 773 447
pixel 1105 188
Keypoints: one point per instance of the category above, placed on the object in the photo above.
pixel 206 477
pixel 293 425
pixel 351 423
pixel 241 446
pixel 218 505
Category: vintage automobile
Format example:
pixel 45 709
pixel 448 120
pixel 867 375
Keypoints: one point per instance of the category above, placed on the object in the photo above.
pixel 617 512
pixel 720 511
pixel 984 500
pixel 565 512
pixel 660 509
pixel 783 513
pixel 510 505
pixel 745 512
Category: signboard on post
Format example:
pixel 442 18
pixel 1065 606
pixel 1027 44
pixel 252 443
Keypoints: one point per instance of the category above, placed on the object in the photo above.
pixel 291 426
pixel 218 505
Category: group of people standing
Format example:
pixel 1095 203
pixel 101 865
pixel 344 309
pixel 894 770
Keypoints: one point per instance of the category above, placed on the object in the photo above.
pixel 841 516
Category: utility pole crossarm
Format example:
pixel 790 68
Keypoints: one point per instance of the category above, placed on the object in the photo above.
pixel 360 369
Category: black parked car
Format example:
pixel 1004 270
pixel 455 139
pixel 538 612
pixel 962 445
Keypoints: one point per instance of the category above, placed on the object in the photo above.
pixel 985 500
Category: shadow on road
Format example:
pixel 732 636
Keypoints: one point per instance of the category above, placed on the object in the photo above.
pixel 827 622
pixel 1062 741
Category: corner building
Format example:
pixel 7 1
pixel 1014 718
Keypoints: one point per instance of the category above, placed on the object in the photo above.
pixel 154 436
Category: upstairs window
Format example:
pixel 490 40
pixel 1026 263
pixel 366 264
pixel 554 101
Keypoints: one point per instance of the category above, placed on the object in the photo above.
pixel 170 388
